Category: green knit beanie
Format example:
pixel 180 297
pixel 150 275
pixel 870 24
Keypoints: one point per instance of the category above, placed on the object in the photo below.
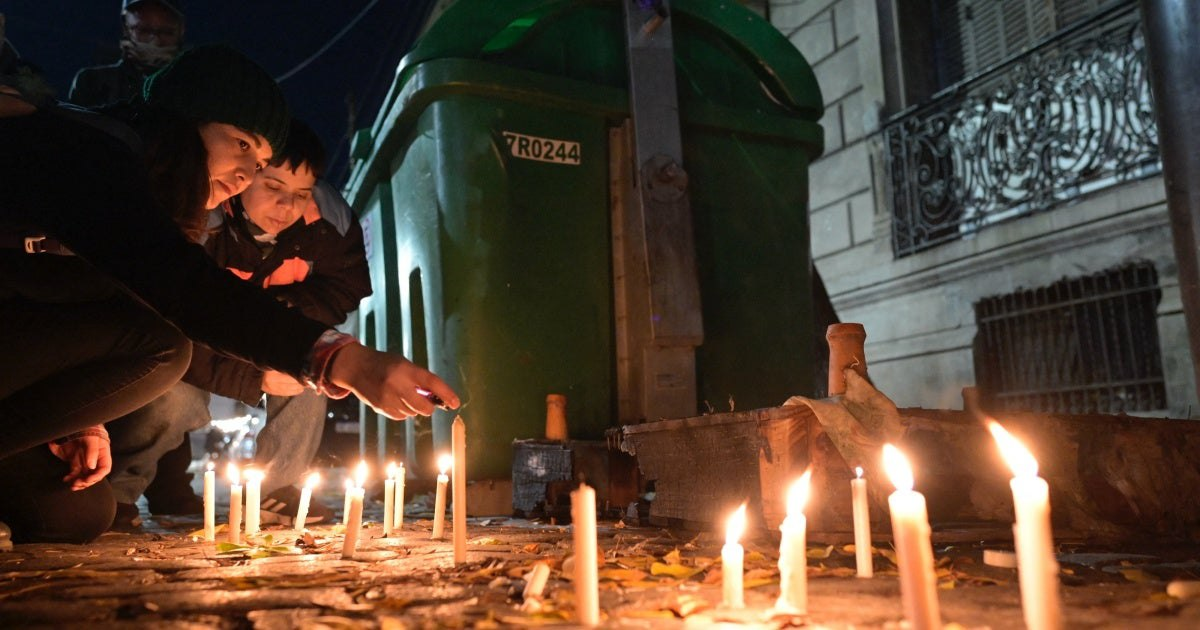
pixel 215 83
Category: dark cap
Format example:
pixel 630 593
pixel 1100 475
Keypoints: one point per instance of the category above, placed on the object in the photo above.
pixel 175 6
pixel 215 83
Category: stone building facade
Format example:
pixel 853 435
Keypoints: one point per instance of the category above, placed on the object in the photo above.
pixel 1018 172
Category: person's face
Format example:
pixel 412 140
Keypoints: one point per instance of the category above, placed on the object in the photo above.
pixel 234 156
pixel 150 22
pixel 277 197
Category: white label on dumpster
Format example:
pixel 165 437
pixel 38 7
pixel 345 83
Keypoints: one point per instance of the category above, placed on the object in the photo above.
pixel 542 149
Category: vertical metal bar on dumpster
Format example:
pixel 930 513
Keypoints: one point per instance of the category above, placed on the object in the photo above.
pixel 663 337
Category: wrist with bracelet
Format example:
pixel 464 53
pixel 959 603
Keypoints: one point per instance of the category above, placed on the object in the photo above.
pixel 320 358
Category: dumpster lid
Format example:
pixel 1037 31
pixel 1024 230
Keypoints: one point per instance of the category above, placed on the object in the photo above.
pixel 485 29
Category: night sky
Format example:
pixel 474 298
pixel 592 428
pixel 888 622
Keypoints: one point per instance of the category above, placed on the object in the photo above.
pixel 62 36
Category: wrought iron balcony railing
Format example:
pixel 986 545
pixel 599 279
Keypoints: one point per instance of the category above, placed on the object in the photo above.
pixel 1069 117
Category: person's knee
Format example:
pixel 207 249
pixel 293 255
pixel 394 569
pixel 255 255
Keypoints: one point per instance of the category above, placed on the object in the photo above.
pixel 40 507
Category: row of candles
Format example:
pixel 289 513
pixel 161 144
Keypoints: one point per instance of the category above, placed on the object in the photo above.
pixel 911 535
pixel 393 499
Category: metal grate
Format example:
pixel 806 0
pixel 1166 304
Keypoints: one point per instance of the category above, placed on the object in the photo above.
pixel 1033 132
pixel 1080 345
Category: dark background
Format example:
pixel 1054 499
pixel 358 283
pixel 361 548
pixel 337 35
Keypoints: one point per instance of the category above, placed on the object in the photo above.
pixel 339 90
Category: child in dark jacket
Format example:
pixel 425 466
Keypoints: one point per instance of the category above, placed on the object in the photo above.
pixel 295 236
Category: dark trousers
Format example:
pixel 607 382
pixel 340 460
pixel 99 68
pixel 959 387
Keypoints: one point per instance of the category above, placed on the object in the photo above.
pixel 79 351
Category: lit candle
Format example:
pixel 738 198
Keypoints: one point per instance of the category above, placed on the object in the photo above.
pixel 732 556
pixel 458 443
pixel 439 499
pixel 583 526
pixel 914 552
pixel 253 491
pixel 235 504
pixel 210 503
pixel 389 499
pixel 1037 568
pixel 305 499
pixel 398 516
pixel 793 541
pixel 346 503
pixel 354 521
pixel 862 524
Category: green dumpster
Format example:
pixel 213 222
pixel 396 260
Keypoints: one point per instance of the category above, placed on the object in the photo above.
pixel 486 188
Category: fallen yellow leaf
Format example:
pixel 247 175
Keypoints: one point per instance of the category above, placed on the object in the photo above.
pixel 673 557
pixel 673 570
pixel 819 553
pixel 636 562
pixel 622 575
pixel 1138 575
pixel 889 554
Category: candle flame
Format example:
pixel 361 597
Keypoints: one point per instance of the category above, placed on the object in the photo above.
pixel 232 472
pixel 736 525
pixel 797 496
pixel 897 467
pixel 858 472
pixel 253 474
pixel 445 461
pixel 349 484
pixel 391 470
pixel 1019 459
pixel 312 481
pixel 360 474
pixel 209 466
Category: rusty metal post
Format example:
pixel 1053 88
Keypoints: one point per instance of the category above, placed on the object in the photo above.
pixel 846 343
pixel 1172 34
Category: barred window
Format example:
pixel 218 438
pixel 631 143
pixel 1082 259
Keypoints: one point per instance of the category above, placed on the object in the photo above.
pixel 1080 345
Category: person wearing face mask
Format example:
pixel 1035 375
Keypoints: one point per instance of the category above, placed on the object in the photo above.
pixel 294 235
pixel 151 36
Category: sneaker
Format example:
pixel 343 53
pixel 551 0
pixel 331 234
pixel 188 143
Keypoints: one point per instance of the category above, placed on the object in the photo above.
pixel 127 519
pixel 176 505
pixel 280 507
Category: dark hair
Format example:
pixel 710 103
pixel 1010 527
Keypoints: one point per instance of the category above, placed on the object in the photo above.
pixel 176 167
pixel 302 147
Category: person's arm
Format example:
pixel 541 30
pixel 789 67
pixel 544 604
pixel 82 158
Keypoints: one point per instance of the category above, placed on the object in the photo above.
pixel 224 376
pixel 341 276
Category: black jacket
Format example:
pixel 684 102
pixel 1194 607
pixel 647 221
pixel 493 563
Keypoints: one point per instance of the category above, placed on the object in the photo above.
pixel 318 265
pixel 71 181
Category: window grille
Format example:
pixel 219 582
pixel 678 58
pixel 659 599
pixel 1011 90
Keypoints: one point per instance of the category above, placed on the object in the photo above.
pixel 1080 345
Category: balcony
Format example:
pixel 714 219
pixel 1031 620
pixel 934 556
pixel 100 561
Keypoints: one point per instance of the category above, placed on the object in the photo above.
pixel 1069 117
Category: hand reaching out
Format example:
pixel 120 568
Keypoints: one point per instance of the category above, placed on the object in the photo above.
pixel 88 455
pixel 388 382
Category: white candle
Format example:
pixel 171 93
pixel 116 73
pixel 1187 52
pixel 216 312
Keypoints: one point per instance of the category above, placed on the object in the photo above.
pixel 389 499
pixel 398 516
pixel 862 525
pixel 354 517
pixel 253 498
pixel 793 542
pixel 305 498
pixel 1036 565
pixel 210 503
pixel 732 556
pixel 911 537
pixel 583 526
pixel 458 443
pixel 439 499
pixel 235 505
pixel 346 502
